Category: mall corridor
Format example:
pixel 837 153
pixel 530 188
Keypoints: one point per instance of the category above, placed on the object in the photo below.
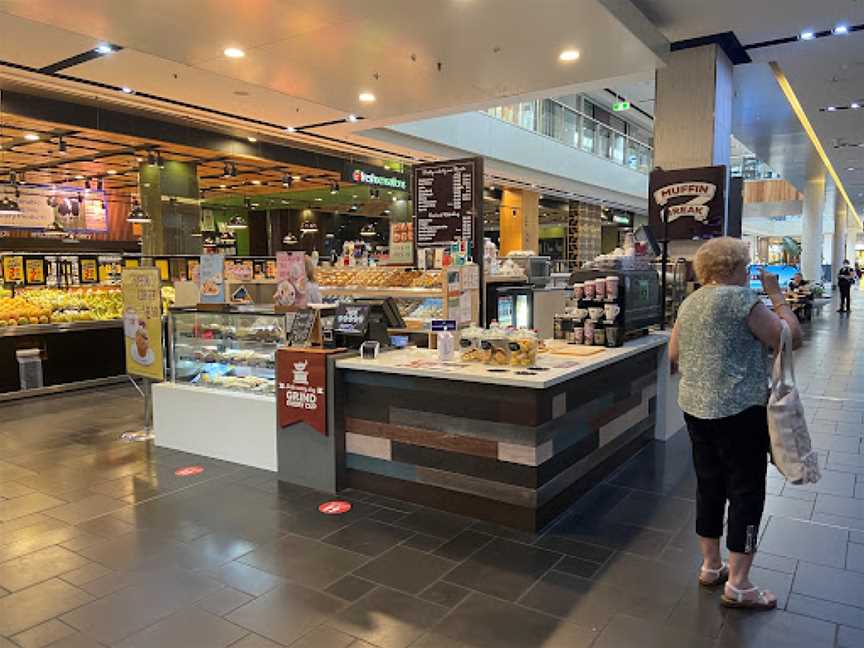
pixel 103 543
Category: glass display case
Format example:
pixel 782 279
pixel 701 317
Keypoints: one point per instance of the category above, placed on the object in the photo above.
pixel 231 350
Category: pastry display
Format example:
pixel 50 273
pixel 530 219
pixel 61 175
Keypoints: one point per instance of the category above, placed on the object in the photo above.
pixel 523 348
pixel 378 277
pixel 495 348
pixel 469 345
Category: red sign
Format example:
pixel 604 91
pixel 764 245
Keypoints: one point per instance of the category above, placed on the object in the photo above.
pixel 301 384
pixel 336 507
pixel 189 471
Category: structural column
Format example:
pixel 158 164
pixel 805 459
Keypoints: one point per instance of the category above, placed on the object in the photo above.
pixel 838 247
pixel 520 221
pixel 811 229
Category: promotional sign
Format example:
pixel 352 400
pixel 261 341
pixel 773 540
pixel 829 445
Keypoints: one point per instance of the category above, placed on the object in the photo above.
pixel 291 288
pixel 239 270
pixel 301 381
pixel 351 319
pixel 70 209
pixel 446 204
pixel 95 216
pixel 142 322
pixel 211 275
pixel 34 271
pixel 401 244
pixel 164 271
pixel 13 269
pixel 374 176
pixel 89 269
pixel 694 201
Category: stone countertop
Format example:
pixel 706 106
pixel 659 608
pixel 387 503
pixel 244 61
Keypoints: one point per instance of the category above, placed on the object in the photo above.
pixel 556 369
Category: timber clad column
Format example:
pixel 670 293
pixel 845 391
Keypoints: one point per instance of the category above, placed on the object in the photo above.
pixel 811 229
pixel 693 118
pixel 520 221
pixel 170 197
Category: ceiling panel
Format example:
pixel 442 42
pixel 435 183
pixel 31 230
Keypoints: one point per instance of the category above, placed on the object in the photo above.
pixel 28 43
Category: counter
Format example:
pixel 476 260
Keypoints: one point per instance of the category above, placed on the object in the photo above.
pixel 514 449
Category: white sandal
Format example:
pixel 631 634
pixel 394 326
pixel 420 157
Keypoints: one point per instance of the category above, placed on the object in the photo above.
pixel 760 603
pixel 718 576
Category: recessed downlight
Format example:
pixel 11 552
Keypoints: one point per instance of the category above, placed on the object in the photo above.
pixel 840 30
pixel 831 108
pixel 126 90
pixel 234 52
pixel 366 97
pixel 31 137
pixel 351 118
pixel 290 129
pixel 112 172
pixel 252 139
pixel 103 48
pixel 855 105
pixel 807 35
pixel 569 55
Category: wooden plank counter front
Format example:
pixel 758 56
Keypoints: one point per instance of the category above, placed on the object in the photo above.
pixel 508 448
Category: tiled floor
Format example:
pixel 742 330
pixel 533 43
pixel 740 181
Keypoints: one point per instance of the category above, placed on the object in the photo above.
pixel 101 544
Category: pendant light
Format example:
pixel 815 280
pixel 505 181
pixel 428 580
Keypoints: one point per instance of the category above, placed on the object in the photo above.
pixel 137 214
pixel 368 231
pixel 236 223
pixel 308 227
pixel 9 206
pixel 289 239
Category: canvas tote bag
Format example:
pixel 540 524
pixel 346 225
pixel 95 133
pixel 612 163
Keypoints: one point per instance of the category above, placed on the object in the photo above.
pixel 790 442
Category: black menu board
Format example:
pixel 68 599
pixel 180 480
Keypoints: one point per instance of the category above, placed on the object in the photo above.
pixel 351 319
pixel 446 202
pixel 301 326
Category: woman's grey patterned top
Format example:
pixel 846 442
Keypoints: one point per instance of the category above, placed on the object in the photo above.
pixel 723 366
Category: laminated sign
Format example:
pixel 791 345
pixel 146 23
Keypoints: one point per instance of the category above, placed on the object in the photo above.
pixel 142 322
pixel 692 200
pixel 301 389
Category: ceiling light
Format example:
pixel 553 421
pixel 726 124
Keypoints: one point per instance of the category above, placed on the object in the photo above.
pixel 840 30
pixel 79 177
pixel 366 97
pixel 137 215
pixel 234 52
pixel 368 231
pixel 334 187
pixel 126 90
pixel 296 178
pixel 807 35
pixel 351 118
pixel 569 55
pixel 103 48
pixel 308 227
pixel 319 199
pixel 287 181
pixel 354 208
pixel 236 223
pixel 252 139
pixel 855 105
pixel 31 137
pixel 291 129
pixel 9 206
pixel 139 159
pixel 831 108
pixel 256 182
pixel 850 168
pixel 289 239
pixel 222 186
pixel 112 172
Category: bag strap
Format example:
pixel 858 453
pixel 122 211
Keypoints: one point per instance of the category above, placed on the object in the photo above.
pixel 783 358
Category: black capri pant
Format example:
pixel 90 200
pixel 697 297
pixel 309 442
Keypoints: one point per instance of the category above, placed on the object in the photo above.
pixel 731 459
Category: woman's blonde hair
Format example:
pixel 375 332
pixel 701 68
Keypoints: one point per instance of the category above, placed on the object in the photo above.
pixel 719 258
pixel 310 268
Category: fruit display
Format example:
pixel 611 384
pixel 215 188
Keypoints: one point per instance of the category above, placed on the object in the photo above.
pixel 378 277
pixel 76 304
pixel 17 311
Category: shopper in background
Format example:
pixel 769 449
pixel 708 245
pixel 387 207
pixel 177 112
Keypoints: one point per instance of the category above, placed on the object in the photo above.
pixel 720 343
pixel 845 279
pixel 313 292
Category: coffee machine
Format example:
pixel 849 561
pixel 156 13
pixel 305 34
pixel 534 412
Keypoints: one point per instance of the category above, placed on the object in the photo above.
pixel 638 296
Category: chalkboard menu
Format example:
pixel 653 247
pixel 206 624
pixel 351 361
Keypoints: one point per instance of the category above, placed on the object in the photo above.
pixel 446 205
pixel 301 326
pixel 352 319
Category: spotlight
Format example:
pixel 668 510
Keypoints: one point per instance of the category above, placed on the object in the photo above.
pixel 226 170
pixel 104 48
pixel 351 118
pixel 807 35
pixel 159 161
pixel 61 146
pixel 234 52
pixel 112 172
pixel 137 214
pixel 831 108
pixel 334 187
pixel 855 105
pixel 296 178
pixel 354 208
pixel 287 181
pixel 151 158
pixel 252 139
pixel 366 97
pixel 236 223
pixel 569 55
pixel 289 239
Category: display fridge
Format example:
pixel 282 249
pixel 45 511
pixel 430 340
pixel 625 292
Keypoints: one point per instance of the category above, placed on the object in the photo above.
pixel 511 305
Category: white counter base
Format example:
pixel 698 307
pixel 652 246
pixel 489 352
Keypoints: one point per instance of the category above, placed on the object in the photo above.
pixel 219 424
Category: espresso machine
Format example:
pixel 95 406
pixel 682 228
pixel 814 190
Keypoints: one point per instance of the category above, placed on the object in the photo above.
pixel 638 297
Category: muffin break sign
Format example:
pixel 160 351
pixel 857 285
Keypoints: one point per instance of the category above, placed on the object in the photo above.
pixel 142 322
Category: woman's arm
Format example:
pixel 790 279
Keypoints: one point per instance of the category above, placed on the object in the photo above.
pixel 673 348
pixel 766 325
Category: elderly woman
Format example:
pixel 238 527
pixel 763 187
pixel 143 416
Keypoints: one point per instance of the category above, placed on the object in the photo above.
pixel 720 343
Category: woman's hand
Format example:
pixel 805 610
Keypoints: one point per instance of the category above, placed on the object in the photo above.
pixel 770 282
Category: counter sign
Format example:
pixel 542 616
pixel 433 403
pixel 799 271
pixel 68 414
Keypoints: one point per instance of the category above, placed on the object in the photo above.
pixel 301 389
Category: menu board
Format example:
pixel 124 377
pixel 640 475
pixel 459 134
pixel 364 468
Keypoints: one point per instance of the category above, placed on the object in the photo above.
pixel 13 269
pixel 142 322
pixel 89 270
pixel 351 319
pixel 211 273
pixel 34 272
pixel 446 201
pixel 301 326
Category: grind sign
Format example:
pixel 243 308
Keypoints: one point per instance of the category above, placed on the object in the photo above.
pixel 301 397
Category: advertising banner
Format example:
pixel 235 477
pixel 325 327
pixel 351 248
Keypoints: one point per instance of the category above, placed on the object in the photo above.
pixel 211 277
pixel 291 289
pixel 70 209
pixel 694 201
pixel 142 322
pixel 301 383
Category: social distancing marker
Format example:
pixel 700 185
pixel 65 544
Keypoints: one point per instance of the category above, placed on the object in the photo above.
pixel 335 507
pixel 189 471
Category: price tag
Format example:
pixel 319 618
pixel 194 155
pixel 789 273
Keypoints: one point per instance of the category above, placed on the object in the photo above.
pixel 13 269
pixel 89 271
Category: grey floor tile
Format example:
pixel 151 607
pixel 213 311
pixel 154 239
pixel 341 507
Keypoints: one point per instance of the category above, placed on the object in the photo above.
pixel 855 557
pixel 246 579
pixel 86 509
pixel 350 588
pixel 388 619
pixel 777 628
pixel 849 637
pixel 830 584
pixel 368 537
pixel 806 541
pixel 629 632
pixel 324 637
pixel 623 537
pixel 463 545
pixel 26 505
pixel 304 561
pixel 781 564
pixel 578 567
pixel 698 612
pixel 832 483
pixel 590 552
pixel 223 601
pixel 826 610
pixel 43 634
pixel 256 641
pixel 844 506
pixel 839 521
pixel 436 523
pixel 189 628
pixel 444 594
pixel 504 569
pixel 405 569
pixel 38 566
pixel 660 512
pixel 34 605
pixel 788 507
pixel 777 582
pixel 286 613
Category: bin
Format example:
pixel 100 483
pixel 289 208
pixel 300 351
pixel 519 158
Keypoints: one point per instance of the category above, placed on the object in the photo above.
pixel 30 368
